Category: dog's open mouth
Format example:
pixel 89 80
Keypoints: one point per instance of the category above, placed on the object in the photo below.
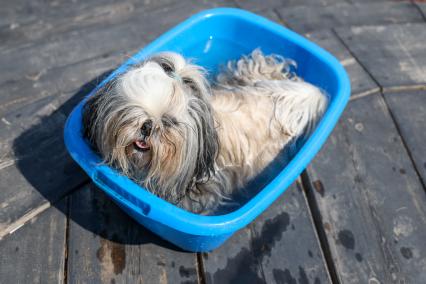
pixel 141 145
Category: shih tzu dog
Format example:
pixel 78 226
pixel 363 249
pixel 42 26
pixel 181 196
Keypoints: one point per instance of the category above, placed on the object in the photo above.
pixel 193 143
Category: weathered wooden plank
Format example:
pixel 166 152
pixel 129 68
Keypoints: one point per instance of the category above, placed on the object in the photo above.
pixel 77 45
pixel 234 261
pixel 35 253
pixel 361 81
pixel 371 202
pixel 255 5
pixel 35 167
pixel 37 170
pixel 422 7
pixel 409 111
pixel 64 80
pixel 21 13
pixel 63 18
pixel 68 48
pixel 159 21
pixel 271 15
pixel 307 19
pixel 107 246
pixel 279 247
pixel 287 242
pixel 11 9
pixel 393 54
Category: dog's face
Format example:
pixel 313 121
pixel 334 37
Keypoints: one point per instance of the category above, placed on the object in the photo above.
pixel 154 123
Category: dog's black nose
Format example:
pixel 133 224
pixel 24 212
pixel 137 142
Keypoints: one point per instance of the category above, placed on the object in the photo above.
pixel 146 128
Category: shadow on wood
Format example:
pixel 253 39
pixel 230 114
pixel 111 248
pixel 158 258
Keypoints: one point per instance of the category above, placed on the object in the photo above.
pixel 49 169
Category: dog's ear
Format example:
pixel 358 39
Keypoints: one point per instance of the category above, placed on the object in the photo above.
pixel 208 141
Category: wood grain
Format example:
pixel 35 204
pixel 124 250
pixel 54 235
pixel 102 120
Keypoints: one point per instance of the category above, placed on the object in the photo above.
pixel 303 19
pixel 371 202
pixel 35 253
pixel 394 54
pixel 361 81
pixel 409 111
pixel 107 246
pixel 281 246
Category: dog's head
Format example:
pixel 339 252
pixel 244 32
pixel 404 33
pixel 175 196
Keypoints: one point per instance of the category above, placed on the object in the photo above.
pixel 154 123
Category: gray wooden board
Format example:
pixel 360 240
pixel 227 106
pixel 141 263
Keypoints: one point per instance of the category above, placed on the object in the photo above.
pixel 76 45
pixel 361 81
pixel 19 12
pixel 61 80
pixel 63 18
pixel 107 246
pixel 271 15
pixel 159 21
pixel 371 202
pixel 32 151
pixel 66 19
pixel 422 7
pixel 37 169
pixel 409 111
pixel 307 18
pixel 35 253
pixel 279 247
pixel 234 261
pixel 395 55
pixel 68 48
pixel 10 10
pixel 256 5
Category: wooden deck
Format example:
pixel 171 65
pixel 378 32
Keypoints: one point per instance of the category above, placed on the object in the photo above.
pixel 356 215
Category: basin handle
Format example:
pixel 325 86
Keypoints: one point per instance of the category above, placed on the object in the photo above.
pixel 122 196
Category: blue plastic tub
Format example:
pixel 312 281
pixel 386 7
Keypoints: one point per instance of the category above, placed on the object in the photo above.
pixel 213 37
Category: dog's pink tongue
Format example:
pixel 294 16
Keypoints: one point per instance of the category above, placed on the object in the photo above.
pixel 141 145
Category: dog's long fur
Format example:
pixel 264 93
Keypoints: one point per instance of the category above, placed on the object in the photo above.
pixel 199 143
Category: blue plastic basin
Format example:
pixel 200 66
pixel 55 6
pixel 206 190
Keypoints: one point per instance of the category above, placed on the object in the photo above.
pixel 213 37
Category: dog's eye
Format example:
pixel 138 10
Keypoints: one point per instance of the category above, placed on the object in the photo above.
pixel 169 121
pixel 187 81
pixel 167 67
pixel 146 128
pixel 190 83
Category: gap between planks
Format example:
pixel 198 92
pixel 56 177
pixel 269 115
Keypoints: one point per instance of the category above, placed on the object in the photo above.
pixel 67 235
pixel 404 142
pixel 381 92
pixel 19 223
pixel 318 226
pixel 415 4
pixel 201 269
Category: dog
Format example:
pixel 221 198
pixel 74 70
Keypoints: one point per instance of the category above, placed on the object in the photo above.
pixel 195 143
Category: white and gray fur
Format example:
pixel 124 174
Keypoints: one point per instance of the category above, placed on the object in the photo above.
pixel 203 142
